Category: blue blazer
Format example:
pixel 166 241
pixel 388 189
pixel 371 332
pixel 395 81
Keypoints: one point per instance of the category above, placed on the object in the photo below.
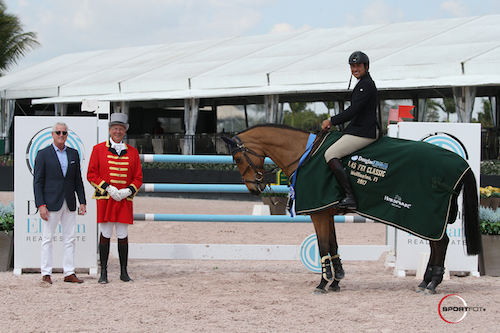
pixel 51 187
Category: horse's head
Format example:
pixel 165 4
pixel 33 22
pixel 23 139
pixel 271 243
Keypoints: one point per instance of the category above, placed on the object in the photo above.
pixel 249 163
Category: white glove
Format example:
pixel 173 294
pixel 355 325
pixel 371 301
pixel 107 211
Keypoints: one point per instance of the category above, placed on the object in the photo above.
pixel 124 192
pixel 113 192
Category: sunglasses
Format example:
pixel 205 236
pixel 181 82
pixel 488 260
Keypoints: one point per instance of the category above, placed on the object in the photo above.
pixel 59 132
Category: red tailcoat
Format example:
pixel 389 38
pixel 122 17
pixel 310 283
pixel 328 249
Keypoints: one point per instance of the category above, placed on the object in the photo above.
pixel 106 167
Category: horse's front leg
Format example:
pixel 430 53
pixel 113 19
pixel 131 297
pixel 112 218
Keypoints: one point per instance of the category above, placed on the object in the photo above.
pixel 322 228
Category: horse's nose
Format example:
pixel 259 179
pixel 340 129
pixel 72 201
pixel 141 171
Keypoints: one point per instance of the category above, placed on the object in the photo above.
pixel 255 189
pixel 254 192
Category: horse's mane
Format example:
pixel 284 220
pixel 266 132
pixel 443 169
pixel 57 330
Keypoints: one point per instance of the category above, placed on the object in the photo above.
pixel 277 126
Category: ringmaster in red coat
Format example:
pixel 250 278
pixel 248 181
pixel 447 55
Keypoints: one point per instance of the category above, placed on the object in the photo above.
pixel 116 174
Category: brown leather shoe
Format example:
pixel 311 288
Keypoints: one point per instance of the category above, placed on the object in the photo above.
pixel 72 278
pixel 46 278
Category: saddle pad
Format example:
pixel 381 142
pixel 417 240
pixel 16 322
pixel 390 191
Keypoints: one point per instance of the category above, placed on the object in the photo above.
pixel 403 183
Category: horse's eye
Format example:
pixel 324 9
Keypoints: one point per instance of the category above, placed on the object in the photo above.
pixel 238 160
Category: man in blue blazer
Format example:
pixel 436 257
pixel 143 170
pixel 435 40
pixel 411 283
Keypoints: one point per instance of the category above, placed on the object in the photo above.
pixel 57 178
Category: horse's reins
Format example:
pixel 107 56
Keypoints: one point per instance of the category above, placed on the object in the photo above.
pixel 259 176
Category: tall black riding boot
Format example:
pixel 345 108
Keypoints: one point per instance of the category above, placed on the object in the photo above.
pixel 123 254
pixel 349 202
pixel 103 258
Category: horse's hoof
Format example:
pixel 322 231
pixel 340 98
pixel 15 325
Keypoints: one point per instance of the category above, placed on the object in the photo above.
pixel 319 291
pixel 420 290
pixel 334 288
pixel 430 292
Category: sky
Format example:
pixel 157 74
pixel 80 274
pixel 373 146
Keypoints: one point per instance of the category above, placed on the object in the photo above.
pixel 72 26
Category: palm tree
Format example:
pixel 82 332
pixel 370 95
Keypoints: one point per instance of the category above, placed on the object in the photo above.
pixel 14 43
pixel 301 116
pixel 485 117
pixel 447 106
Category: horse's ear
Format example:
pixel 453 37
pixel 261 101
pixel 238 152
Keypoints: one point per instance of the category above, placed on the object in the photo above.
pixel 229 141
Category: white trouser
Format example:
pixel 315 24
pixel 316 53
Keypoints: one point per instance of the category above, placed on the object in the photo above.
pixel 68 221
pixel 107 229
pixel 347 144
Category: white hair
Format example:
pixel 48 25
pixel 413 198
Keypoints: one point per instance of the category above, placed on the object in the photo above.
pixel 59 123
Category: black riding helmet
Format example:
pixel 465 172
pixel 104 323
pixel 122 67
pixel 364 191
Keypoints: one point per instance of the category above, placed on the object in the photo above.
pixel 359 57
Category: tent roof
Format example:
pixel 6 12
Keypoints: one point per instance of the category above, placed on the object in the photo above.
pixel 411 55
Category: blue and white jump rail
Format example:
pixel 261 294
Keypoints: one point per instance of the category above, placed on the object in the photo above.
pixel 232 251
pixel 170 158
pixel 243 218
pixel 215 188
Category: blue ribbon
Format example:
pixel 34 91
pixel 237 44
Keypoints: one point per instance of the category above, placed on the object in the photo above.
pixel 309 145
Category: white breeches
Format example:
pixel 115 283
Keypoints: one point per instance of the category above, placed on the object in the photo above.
pixel 107 229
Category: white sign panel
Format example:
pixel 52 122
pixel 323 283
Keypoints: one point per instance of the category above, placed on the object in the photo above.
pixel 31 135
pixel 465 140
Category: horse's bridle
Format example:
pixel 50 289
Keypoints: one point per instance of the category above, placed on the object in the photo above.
pixel 259 175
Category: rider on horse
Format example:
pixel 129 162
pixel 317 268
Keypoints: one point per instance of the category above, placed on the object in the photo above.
pixel 362 130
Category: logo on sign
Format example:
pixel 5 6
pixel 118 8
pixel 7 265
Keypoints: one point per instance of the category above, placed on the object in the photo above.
pixel 44 138
pixel 447 141
pixel 309 254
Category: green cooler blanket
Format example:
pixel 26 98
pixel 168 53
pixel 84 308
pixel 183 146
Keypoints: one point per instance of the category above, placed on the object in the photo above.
pixel 403 183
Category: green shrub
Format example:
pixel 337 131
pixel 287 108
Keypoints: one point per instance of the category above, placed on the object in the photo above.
pixel 489 221
pixel 7 159
pixel 6 217
pixel 188 166
pixel 196 166
pixel 490 167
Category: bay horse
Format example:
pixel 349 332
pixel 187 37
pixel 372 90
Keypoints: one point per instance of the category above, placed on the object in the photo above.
pixel 285 145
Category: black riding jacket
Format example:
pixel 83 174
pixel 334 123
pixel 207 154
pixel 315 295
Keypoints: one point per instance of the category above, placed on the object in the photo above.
pixel 363 110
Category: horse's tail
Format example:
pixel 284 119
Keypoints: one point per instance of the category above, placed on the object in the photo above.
pixel 470 218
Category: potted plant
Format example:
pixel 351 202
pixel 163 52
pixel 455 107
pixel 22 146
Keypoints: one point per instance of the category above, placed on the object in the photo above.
pixel 489 196
pixel 489 259
pixel 276 202
pixel 6 236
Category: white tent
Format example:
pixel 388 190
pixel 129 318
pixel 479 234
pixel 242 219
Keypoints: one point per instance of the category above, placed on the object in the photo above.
pixel 451 52
pixel 462 54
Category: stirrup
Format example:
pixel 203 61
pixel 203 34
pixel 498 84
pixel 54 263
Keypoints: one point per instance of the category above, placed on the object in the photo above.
pixel 347 203
pixel 326 268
